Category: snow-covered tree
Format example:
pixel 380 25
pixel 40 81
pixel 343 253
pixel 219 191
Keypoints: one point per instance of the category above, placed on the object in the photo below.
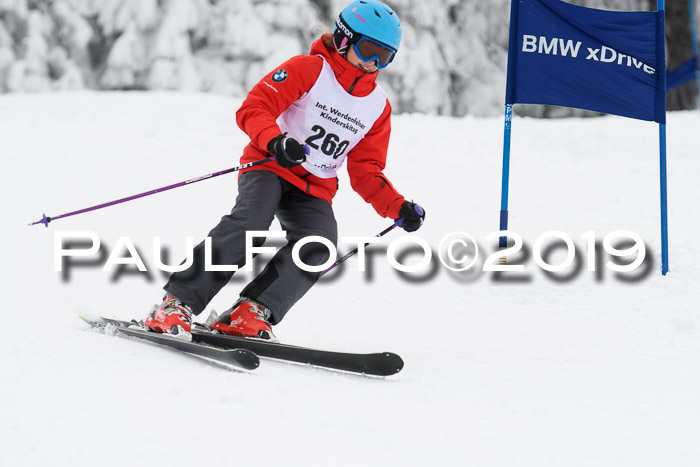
pixel 452 59
pixel 127 31
pixel 172 65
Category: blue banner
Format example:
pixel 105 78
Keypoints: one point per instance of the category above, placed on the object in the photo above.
pixel 682 74
pixel 606 61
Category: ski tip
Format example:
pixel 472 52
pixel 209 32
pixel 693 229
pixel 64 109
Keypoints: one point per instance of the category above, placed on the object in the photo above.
pixel 396 361
pixel 382 364
pixel 247 359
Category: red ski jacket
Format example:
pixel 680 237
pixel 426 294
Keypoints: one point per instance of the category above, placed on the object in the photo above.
pixel 365 162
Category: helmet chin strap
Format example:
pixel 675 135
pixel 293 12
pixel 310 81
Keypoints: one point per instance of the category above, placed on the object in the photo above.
pixel 343 36
pixel 344 46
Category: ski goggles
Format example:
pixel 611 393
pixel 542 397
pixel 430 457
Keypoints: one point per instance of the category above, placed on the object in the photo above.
pixel 369 49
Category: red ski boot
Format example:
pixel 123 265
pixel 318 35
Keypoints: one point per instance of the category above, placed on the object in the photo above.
pixel 172 317
pixel 245 319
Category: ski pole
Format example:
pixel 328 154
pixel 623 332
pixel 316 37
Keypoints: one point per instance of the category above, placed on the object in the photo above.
pixel 396 223
pixel 45 219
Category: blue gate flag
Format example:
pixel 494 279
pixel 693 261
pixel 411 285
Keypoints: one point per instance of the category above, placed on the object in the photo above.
pixel 606 61
pixel 683 73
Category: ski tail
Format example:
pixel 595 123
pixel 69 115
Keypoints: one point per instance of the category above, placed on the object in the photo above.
pixel 240 358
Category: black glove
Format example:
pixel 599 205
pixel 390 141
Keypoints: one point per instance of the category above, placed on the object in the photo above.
pixel 287 151
pixel 412 216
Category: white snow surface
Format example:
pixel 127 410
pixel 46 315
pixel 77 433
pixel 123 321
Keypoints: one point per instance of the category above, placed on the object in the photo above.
pixel 585 372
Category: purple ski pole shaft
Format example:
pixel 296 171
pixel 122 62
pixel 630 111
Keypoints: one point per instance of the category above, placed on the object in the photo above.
pixel 45 220
pixel 397 223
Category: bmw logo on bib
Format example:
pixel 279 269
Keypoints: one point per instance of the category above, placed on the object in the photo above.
pixel 279 75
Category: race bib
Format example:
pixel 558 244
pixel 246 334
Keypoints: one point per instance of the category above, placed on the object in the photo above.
pixel 330 121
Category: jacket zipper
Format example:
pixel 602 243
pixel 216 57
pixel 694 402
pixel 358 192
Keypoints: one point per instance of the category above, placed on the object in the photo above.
pixel 353 84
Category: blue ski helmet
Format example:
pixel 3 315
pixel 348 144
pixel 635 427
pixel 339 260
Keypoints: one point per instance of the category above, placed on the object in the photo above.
pixel 367 19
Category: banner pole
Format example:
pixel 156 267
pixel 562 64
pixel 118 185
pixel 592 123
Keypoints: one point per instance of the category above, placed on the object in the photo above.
pixel 664 201
pixel 510 101
pixel 502 241
pixel 694 34
pixel 663 177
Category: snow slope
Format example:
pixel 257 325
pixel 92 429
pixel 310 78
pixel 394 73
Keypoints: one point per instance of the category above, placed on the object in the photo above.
pixel 599 369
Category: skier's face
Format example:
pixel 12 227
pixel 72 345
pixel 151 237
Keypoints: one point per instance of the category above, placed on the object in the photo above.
pixel 367 67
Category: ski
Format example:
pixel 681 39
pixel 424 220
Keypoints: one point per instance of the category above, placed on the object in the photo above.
pixel 238 357
pixel 377 364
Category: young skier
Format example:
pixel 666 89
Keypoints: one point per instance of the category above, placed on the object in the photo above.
pixel 313 113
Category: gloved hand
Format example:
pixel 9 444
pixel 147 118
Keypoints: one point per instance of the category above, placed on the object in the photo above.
pixel 287 151
pixel 412 216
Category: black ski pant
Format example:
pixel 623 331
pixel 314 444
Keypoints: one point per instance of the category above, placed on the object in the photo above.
pixel 262 195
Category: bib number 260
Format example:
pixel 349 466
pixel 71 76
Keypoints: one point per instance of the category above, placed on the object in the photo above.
pixel 331 144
